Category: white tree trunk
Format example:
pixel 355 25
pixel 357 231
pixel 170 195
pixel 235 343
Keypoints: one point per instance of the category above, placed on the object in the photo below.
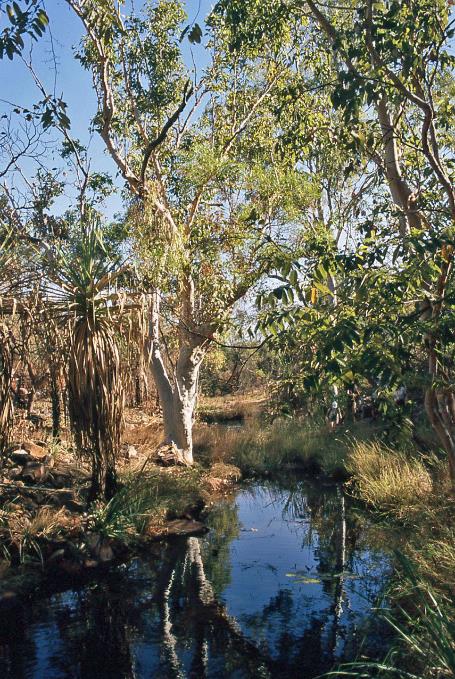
pixel 178 394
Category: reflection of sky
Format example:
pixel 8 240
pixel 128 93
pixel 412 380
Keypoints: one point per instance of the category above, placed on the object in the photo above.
pixel 89 633
pixel 262 559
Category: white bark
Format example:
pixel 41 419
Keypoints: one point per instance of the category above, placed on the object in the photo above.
pixel 402 195
pixel 178 393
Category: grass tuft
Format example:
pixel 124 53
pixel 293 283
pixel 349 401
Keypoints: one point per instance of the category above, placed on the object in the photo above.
pixel 153 496
pixel 389 480
pixel 260 449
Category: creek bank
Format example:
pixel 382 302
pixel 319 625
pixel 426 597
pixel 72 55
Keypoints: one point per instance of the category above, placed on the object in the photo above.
pixel 285 579
pixel 52 531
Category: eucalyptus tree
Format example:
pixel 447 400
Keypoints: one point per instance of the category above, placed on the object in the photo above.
pixel 390 76
pixel 405 75
pixel 209 194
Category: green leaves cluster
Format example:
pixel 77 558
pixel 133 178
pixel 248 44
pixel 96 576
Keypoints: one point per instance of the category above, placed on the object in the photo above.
pixel 24 18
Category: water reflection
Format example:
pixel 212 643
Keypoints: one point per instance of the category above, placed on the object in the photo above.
pixel 282 586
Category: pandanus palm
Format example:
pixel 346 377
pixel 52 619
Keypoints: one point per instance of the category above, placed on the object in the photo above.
pixel 6 348
pixel 82 288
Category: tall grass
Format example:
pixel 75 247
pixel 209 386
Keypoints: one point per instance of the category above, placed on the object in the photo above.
pixel 155 495
pixel 425 631
pixel 25 534
pixel 389 480
pixel 260 449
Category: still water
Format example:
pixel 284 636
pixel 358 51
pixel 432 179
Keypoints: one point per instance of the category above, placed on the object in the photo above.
pixel 282 586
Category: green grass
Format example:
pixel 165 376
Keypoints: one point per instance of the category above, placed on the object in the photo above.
pixel 261 449
pixel 389 480
pixel 153 496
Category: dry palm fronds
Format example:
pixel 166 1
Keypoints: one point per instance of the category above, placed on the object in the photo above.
pixel 95 398
pixel 6 401
pixel 84 298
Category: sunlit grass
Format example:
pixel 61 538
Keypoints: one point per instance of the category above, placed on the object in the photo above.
pixel 260 448
pixel 388 480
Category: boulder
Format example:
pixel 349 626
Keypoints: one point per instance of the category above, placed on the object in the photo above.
pixel 34 472
pixel 177 527
pixel 15 472
pixel 168 455
pixel 20 456
pixel 129 451
pixel 56 556
pixel 132 453
pixel 36 451
pixel 100 547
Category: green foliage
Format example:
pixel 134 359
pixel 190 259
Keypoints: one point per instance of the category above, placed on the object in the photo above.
pixel 152 496
pixel 26 17
pixel 390 480
pixel 83 296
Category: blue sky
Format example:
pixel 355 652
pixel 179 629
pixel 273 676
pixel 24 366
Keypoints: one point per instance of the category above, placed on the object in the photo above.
pixel 73 83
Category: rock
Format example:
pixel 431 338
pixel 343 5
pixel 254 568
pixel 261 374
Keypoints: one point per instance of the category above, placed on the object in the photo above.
pixel 49 461
pixel 15 472
pixel 71 568
pixel 229 472
pixel 58 481
pixel 4 567
pixel 62 498
pixel 36 451
pixel 21 456
pixel 57 556
pixel 129 451
pixel 178 527
pixel 169 455
pixel 132 453
pixel 215 485
pixel 99 547
pixel 34 472
pixel 90 563
pixel 8 600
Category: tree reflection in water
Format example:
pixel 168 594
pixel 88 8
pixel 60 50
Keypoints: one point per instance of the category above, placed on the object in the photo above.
pixel 220 606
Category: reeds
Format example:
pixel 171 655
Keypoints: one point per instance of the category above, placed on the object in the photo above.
pixel 425 634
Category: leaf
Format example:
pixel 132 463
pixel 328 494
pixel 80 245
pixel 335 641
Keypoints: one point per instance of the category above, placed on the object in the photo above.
pixel 195 35
pixel 314 295
pixel 11 16
pixel 184 32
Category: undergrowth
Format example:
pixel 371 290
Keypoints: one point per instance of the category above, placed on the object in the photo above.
pixel 261 449
pixel 155 495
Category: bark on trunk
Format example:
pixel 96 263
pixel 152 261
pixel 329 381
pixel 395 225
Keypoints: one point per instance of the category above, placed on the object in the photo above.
pixel 178 394
pixel 401 192
pixel 56 401
pixel 104 477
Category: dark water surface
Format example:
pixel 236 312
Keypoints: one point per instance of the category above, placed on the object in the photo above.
pixel 283 586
